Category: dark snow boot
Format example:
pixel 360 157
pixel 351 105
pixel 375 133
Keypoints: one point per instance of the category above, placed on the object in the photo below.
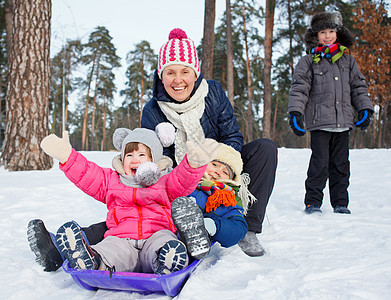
pixel 312 209
pixel 172 257
pixel 41 244
pixel 189 221
pixel 73 245
pixel 342 210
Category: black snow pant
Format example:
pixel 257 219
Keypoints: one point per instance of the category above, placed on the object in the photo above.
pixel 260 162
pixel 329 160
pixel 95 232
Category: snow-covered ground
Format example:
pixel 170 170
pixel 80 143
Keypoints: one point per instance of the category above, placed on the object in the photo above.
pixel 328 256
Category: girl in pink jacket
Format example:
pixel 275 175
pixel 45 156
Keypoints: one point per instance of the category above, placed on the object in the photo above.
pixel 138 196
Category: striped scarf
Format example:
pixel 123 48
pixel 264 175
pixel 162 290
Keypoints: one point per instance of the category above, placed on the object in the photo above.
pixel 219 194
pixel 335 51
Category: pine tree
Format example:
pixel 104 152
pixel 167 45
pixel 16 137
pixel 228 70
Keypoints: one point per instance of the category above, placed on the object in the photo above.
pixel 100 57
pixel 142 63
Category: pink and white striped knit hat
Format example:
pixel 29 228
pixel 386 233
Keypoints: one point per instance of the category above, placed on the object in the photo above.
pixel 179 50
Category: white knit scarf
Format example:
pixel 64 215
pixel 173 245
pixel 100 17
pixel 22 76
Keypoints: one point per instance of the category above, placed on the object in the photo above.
pixel 186 118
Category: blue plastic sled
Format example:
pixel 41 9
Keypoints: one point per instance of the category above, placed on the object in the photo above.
pixel 143 283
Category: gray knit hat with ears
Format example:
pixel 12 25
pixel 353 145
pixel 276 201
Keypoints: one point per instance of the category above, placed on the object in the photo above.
pixel 154 140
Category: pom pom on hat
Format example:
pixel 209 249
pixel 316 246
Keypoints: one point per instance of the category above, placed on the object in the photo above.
pixel 177 33
pixel 166 133
pixel 179 50
pixel 148 173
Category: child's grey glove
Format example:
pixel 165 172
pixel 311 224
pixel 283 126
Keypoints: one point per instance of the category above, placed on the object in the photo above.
pixel 201 154
pixel 58 148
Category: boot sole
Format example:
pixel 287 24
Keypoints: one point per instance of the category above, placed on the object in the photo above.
pixel 70 241
pixel 41 244
pixel 172 257
pixel 189 221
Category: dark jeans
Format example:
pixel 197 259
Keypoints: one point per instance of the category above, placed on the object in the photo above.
pixel 329 160
pixel 260 162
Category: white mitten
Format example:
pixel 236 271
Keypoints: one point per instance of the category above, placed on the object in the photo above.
pixel 58 148
pixel 210 226
pixel 201 154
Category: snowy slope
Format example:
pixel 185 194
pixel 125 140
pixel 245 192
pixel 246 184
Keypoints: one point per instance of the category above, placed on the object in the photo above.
pixel 309 256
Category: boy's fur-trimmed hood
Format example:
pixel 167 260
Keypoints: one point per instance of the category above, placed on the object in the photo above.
pixel 325 20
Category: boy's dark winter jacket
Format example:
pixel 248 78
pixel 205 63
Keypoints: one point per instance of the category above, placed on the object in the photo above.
pixel 218 121
pixel 327 94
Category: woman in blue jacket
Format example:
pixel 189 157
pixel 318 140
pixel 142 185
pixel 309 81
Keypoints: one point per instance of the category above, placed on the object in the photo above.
pixel 199 109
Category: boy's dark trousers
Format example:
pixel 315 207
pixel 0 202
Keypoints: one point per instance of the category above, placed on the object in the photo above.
pixel 329 160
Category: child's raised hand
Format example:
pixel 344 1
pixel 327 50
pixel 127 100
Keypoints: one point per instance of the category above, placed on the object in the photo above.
pixel 201 154
pixel 58 148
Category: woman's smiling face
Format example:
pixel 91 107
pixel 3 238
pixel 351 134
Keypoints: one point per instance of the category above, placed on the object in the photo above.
pixel 178 81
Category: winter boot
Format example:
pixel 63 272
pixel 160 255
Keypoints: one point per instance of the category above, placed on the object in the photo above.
pixel 341 210
pixel 172 257
pixel 250 245
pixel 312 209
pixel 41 244
pixel 74 247
pixel 189 221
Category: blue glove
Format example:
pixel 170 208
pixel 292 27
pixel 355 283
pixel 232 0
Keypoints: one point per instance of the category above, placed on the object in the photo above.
pixel 296 123
pixel 364 119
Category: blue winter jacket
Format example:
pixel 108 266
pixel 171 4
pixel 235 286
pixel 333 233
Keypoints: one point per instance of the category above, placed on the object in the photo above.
pixel 231 227
pixel 218 120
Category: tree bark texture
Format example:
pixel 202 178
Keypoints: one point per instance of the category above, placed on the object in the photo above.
pixel 28 87
pixel 230 55
pixel 270 6
pixel 208 39
pixel 250 114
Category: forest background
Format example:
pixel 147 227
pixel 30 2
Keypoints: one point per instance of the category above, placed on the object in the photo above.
pixel 255 68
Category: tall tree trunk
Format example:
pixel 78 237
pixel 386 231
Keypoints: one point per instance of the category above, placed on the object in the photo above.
pixel 94 144
pixel 384 126
pixel 267 99
pixel 28 86
pixel 54 112
pixel 291 34
pixel 142 92
pixel 103 144
pixel 209 39
pixel 230 55
pixel 275 117
pixel 249 84
pixel 85 120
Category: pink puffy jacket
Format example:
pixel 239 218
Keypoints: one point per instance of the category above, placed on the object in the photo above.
pixel 134 213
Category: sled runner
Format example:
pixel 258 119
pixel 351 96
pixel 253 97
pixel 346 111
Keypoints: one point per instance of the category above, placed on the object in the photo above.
pixel 144 283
